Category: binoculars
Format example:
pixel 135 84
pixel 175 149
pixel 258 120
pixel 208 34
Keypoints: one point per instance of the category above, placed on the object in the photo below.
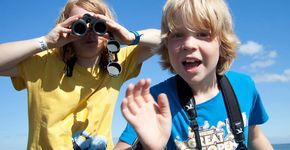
pixel 88 22
pixel 113 68
pixel 81 26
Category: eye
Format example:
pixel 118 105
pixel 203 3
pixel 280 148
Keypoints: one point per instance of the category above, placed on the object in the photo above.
pixel 203 35
pixel 176 35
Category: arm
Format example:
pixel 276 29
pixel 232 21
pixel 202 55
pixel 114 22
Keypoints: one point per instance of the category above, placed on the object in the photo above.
pixel 122 146
pixel 149 40
pixel 147 117
pixel 257 140
pixel 13 53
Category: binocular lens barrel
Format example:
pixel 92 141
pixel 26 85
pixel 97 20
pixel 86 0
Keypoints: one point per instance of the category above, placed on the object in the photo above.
pixel 100 27
pixel 81 26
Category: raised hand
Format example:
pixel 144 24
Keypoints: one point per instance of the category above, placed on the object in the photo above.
pixel 60 34
pixel 151 120
pixel 120 33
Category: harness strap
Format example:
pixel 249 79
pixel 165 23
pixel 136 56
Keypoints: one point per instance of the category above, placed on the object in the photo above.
pixel 233 110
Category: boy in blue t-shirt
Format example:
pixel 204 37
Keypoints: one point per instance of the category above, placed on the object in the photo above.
pixel 198 43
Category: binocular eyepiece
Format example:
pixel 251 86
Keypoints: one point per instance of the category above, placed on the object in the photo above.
pixel 81 26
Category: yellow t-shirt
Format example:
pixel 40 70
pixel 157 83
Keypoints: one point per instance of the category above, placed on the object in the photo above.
pixel 59 106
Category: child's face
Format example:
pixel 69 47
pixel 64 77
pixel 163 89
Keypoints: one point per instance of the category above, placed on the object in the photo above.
pixel 90 45
pixel 193 55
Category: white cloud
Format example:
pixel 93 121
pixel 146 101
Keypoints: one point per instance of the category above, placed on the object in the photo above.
pixel 262 64
pixel 272 54
pixel 250 48
pixel 285 77
pixel 261 58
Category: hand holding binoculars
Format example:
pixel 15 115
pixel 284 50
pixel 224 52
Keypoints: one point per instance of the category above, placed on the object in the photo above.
pixel 88 22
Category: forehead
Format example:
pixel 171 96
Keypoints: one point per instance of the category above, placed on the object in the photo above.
pixel 180 22
pixel 79 11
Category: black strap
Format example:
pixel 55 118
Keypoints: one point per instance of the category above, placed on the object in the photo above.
pixel 188 103
pixel 233 110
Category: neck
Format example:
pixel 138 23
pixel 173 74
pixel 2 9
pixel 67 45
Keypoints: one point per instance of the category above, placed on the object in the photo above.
pixel 88 62
pixel 205 90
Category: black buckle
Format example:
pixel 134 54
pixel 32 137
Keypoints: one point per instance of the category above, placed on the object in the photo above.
pixel 239 132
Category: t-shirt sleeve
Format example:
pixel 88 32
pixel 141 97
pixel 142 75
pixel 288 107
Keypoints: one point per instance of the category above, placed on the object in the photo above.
pixel 258 114
pixel 29 70
pixel 129 135
pixel 130 66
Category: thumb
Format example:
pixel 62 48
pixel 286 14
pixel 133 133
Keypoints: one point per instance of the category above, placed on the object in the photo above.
pixel 164 105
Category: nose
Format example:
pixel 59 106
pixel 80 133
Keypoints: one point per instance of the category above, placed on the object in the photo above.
pixel 190 43
pixel 91 33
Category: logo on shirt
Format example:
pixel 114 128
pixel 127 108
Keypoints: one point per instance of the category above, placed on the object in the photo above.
pixel 218 137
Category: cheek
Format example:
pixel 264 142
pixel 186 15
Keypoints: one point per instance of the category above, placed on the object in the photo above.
pixel 216 50
pixel 212 54
pixel 173 52
pixel 173 48
pixel 173 58
pixel 75 45
pixel 102 42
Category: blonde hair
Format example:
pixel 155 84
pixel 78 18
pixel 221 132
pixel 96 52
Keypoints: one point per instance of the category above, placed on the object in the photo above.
pixel 210 15
pixel 96 6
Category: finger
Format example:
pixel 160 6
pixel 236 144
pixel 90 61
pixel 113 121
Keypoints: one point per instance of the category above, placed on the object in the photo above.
pixel 129 91
pixel 164 107
pixel 102 17
pixel 111 24
pixel 65 30
pixel 68 22
pixel 139 99
pixel 138 87
pixel 132 106
pixel 125 111
pixel 146 90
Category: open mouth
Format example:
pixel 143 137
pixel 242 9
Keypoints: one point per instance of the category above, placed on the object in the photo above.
pixel 191 63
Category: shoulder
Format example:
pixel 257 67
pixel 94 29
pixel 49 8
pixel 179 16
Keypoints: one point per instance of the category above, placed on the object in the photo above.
pixel 237 77
pixel 127 50
pixel 48 54
pixel 241 81
pixel 166 86
pixel 38 60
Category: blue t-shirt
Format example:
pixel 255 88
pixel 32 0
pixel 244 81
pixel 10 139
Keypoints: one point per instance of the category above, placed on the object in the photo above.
pixel 212 117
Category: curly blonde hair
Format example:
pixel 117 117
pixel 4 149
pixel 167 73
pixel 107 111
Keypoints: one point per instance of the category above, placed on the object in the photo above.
pixel 209 15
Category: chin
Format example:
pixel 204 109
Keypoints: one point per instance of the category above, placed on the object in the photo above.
pixel 192 78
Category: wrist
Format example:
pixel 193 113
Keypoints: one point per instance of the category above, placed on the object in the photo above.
pixel 137 38
pixel 42 43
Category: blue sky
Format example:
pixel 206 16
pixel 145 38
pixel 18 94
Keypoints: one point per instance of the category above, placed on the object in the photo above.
pixel 262 26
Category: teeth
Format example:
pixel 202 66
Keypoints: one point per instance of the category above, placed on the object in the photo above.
pixel 189 61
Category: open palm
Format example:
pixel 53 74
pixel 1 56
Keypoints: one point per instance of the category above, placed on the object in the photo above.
pixel 151 120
